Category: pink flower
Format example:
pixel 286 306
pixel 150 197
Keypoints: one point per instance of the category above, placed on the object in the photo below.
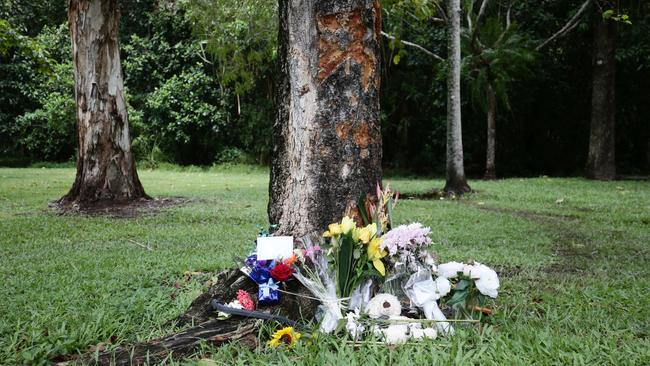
pixel 245 300
pixel 311 251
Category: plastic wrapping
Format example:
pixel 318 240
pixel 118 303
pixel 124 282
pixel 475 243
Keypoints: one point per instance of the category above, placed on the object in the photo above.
pixel 320 282
pixel 424 293
pixel 360 296
pixel 395 280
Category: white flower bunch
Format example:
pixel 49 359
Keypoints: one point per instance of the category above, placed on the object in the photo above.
pixel 485 278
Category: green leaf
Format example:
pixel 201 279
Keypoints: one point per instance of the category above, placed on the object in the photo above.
pixel 481 300
pixel 458 297
pixel 361 205
pixel 345 264
pixel 608 14
pixel 396 59
pixel 462 285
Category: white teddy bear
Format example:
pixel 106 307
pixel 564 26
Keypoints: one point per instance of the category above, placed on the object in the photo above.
pixel 388 307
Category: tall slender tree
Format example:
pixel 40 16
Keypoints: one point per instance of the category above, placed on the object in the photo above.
pixel 456 181
pixel 327 138
pixel 497 54
pixel 105 165
pixel 601 160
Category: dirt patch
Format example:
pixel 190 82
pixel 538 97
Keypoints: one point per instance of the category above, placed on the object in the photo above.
pixel 127 210
pixel 433 194
pixel 507 271
pixel 543 217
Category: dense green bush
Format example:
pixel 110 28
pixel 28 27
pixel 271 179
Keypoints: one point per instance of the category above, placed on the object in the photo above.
pixel 38 88
pixel 186 117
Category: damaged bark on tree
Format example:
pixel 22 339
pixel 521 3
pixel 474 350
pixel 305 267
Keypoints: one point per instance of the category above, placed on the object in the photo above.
pixel 327 137
pixel 105 165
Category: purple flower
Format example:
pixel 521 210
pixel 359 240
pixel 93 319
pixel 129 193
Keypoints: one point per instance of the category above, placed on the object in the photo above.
pixel 408 242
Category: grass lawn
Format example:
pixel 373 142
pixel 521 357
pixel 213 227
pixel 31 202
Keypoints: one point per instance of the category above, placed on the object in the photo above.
pixel 573 258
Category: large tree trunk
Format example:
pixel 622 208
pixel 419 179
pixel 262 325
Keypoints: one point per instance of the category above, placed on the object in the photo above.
pixel 601 161
pixel 490 167
pixel 105 165
pixel 327 138
pixel 456 182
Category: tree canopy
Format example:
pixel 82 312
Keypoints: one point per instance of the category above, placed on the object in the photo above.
pixel 200 78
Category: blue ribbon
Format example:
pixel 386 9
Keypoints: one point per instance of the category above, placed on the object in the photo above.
pixel 268 287
pixel 260 275
pixel 267 293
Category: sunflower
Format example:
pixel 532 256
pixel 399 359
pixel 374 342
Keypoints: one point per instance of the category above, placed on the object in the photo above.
pixel 284 336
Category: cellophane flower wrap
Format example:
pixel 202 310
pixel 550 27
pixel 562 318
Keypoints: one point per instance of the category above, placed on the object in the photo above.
pixel 316 275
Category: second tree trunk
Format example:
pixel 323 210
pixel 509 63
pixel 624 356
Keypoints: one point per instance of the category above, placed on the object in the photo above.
pixel 601 161
pixel 105 164
pixel 456 182
pixel 490 156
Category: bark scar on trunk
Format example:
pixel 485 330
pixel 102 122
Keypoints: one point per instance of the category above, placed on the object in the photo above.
pixel 362 137
pixel 342 38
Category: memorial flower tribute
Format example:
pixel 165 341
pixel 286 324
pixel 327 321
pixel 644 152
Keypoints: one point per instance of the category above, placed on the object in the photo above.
pixel 372 280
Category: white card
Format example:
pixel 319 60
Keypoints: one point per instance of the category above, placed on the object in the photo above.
pixel 274 247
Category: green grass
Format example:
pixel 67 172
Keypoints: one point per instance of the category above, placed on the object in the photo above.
pixel 573 272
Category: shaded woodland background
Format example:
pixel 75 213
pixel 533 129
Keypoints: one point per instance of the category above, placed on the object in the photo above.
pixel 201 91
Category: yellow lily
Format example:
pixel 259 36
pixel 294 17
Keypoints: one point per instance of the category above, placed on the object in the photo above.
pixel 347 224
pixel 364 234
pixel 332 230
pixel 375 254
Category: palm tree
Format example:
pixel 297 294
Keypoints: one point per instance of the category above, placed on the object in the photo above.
pixel 496 55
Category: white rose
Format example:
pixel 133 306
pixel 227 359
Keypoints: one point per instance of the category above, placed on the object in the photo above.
pixel 443 286
pixel 430 333
pixel 485 279
pixel 450 269
pixel 394 334
pixel 467 269
pixel 419 333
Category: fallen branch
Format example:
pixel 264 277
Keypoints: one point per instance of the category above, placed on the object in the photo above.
pixel 214 332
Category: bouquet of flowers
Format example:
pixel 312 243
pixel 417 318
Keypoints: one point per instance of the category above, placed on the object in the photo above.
pixel 354 253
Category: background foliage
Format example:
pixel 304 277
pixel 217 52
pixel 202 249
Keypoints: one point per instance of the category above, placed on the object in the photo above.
pixel 201 91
